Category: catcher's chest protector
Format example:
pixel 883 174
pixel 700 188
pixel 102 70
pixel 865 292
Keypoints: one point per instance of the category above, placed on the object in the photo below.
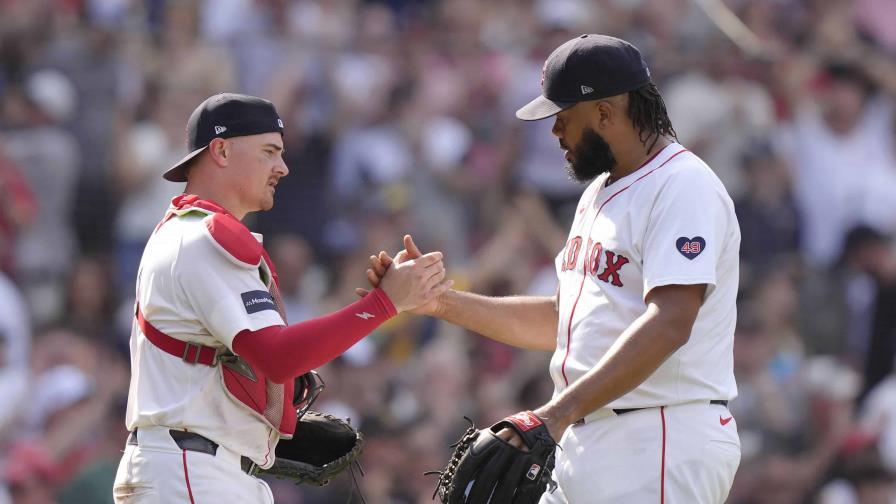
pixel 272 402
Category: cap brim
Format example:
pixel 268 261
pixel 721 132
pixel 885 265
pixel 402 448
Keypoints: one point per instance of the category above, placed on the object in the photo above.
pixel 178 172
pixel 542 108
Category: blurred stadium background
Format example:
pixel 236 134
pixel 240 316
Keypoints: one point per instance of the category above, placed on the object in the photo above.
pixel 399 118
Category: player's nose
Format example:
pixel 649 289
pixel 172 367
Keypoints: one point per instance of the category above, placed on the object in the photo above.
pixel 556 130
pixel 281 169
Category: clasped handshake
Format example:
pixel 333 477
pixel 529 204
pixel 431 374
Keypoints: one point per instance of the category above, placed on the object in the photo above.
pixel 413 281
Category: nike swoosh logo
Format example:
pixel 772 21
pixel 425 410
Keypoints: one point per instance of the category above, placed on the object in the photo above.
pixel 724 421
pixel 365 315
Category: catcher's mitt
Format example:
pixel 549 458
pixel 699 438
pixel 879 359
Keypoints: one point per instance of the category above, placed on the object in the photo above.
pixel 322 447
pixel 485 469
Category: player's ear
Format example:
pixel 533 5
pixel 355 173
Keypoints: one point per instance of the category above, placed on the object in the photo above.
pixel 602 116
pixel 610 111
pixel 220 150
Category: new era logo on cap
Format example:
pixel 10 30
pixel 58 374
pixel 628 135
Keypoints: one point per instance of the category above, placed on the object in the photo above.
pixel 586 90
pixel 220 129
pixel 280 122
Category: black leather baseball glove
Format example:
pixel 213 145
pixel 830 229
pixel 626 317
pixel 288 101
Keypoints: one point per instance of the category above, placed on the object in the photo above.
pixel 485 469
pixel 323 446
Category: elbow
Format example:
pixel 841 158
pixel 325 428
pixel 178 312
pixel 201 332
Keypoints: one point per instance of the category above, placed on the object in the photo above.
pixel 673 337
pixel 268 369
pixel 673 327
pixel 679 338
pixel 673 333
pixel 277 376
pixel 261 351
pixel 273 369
pixel 674 309
pixel 549 343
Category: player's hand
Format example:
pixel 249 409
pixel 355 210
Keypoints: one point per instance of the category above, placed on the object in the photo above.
pixel 415 282
pixel 509 435
pixel 555 428
pixel 382 262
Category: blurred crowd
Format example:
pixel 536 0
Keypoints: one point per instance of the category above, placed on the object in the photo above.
pixel 399 119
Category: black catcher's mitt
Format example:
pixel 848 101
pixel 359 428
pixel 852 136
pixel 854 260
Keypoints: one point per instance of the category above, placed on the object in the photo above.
pixel 485 469
pixel 322 447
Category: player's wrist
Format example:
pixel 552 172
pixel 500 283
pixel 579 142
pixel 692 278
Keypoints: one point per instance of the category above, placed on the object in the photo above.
pixel 386 303
pixel 445 304
pixel 439 308
pixel 556 418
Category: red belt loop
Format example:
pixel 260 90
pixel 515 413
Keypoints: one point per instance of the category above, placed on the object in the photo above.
pixel 191 353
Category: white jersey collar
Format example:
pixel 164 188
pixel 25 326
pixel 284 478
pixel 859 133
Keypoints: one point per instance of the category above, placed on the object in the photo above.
pixel 658 158
pixel 601 191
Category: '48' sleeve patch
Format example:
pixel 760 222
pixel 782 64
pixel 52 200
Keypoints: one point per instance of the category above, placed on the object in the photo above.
pixel 258 300
pixel 690 247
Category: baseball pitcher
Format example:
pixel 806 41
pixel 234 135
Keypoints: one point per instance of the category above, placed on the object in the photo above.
pixel 642 325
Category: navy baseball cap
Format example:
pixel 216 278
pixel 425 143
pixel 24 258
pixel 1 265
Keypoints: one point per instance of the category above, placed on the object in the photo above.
pixel 224 115
pixel 588 67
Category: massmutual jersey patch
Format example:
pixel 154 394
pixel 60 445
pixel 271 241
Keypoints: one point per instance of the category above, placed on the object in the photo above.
pixel 258 300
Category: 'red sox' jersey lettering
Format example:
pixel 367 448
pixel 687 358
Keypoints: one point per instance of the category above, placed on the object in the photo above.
pixel 595 256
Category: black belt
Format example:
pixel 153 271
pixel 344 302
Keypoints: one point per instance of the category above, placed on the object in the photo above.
pixel 622 411
pixel 190 441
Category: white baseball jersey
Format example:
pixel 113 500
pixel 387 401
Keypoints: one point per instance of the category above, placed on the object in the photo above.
pixel 669 222
pixel 190 289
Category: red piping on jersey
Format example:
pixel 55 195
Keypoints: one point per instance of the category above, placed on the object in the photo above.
pixel 584 270
pixel 663 459
pixel 268 454
pixel 187 478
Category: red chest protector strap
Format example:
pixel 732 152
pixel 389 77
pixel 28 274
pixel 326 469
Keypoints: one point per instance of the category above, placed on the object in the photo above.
pixel 191 353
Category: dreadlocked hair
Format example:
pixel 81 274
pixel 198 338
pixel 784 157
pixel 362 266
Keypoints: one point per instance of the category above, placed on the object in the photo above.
pixel 647 111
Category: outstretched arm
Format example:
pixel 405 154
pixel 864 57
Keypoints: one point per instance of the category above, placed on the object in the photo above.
pixel 521 321
pixel 283 353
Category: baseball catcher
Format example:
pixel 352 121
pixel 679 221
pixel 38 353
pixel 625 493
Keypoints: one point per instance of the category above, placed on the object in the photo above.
pixel 485 468
pixel 220 378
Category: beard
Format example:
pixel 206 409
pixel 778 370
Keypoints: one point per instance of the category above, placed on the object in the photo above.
pixel 592 157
